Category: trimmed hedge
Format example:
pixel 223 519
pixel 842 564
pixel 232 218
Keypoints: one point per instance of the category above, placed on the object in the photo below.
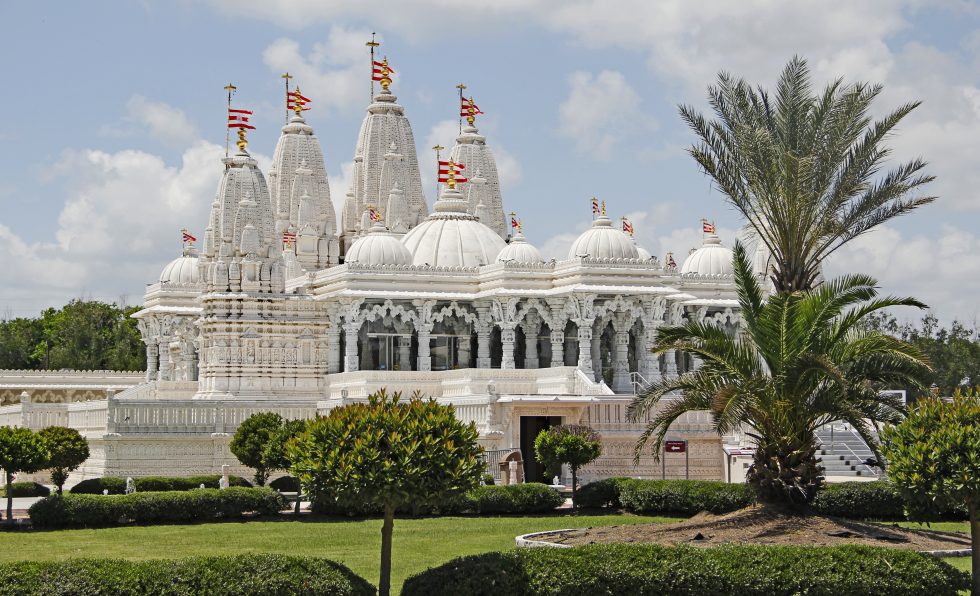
pixel 686 570
pixel 531 497
pixel 878 499
pixel 26 489
pixel 117 486
pixel 685 497
pixel 600 493
pixel 153 507
pixel 241 574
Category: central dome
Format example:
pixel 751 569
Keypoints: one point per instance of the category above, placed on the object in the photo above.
pixel 450 237
pixel 602 241
pixel 378 247
pixel 182 270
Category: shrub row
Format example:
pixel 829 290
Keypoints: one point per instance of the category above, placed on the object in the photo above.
pixel 869 500
pixel 241 574
pixel 25 489
pixel 515 498
pixel 117 486
pixel 153 507
pixel 682 570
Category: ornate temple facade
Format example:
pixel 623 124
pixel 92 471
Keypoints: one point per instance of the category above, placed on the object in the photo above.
pixel 284 309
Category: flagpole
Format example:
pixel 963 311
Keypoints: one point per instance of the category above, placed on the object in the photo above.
pixel 461 87
pixel 437 149
pixel 287 76
pixel 229 88
pixel 372 44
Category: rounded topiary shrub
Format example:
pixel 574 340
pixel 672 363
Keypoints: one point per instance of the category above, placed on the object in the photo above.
pixel 684 570
pixel 285 484
pixel 240 574
pixel 601 493
pixel 74 510
pixel 530 497
pixel 25 489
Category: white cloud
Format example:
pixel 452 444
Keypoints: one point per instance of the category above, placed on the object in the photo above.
pixel 509 170
pixel 601 110
pixel 942 270
pixel 164 122
pixel 332 73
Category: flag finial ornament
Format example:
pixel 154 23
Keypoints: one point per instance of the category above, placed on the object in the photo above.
pixel 296 101
pixel 514 222
pixel 603 207
pixel 240 119
pixel 448 171
pixel 707 227
pixel 187 238
pixel 468 109
pixel 627 226
pixel 595 207
pixel 382 72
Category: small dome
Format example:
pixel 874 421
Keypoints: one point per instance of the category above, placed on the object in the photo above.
pixel 378 247
pixel 644 253
pixel 602 241
pixel 451 237
pixel 520 251
pixel 712 259
pixel 182 270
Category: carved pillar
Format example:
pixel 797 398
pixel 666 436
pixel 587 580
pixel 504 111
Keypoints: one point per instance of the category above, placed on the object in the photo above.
pixel 507 337
pixel 333 349
pixel 557 348
pixel 189 359
pixel 531 330
pixel 596 354
pixel 351 330
pixel 670 363
pixel 463 351
pixel 152 357
pixel 425 357
pixel 405 352
pixel 585 348
pixel 621 374
pixel 483 347
pixel 652 372
pixel 164 373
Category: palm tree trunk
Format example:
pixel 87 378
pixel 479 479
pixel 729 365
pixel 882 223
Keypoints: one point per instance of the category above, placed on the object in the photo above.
pixel 785 470
pixel 384 584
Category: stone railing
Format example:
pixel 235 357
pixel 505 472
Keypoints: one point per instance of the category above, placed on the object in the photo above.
pixel 160 390
pixel 12 415
pixel 129 416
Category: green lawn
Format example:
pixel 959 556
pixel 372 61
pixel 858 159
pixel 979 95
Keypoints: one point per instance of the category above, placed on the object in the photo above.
pixel 418 543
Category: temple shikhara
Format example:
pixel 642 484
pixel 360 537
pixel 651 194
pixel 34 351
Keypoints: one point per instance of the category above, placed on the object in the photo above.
pixel 284 308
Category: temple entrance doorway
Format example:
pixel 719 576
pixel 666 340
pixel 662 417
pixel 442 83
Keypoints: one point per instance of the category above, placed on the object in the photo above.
pixel 531 426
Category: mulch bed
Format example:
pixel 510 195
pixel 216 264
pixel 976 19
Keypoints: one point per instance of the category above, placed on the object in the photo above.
pixel 766 525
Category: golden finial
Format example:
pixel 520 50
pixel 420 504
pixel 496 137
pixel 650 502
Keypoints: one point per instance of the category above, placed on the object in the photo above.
pixel 603 207
pixel 470 112
pixel 372 43
pixel 230 88
pixel 451 175
pixel 298 102
pixel 385 72
pixel 242 141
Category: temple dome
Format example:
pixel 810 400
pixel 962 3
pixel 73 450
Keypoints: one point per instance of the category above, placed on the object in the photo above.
pixel 712 259
pixel 182 270
pixel 603 241
pixel 378 247
pixel 451 237
pixel 520 251
pixel 644 254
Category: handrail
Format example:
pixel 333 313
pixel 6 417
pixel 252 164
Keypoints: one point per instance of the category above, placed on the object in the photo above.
pixel 639 382
pixel 850 431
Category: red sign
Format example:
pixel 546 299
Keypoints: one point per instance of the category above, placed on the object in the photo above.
pixel 675 446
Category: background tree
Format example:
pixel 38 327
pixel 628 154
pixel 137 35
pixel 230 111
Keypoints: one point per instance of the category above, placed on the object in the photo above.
pixel 388 453
pixel 251 442
pixel 67 449
pixel 21 450
pixel 934 459
pixel 804 168
pixel 275 455
pixel 803 360
pixel 571 445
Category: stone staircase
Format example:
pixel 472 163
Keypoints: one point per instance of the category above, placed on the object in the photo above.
pixel 843 452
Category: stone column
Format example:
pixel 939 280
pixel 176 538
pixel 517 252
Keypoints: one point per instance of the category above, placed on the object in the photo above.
pixel 333 349
pixel 350 346
pixel 621 374
pixel 152 357
pixel 405 352
pixel 651 360
pixel 189 359
pixel 507 337
pixel 425 356
pixel 483 347
pixel 557 348
pixel 695 363
pixel 531 345
pixel 670 363
pixel 164 347
pixel 463 351
pixel 585 349
pixel 597 355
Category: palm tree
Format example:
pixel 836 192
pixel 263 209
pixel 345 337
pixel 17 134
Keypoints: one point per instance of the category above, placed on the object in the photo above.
pixel 802 360
pixel 804 169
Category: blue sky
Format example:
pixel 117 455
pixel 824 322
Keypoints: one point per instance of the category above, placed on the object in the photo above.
pixel 113 118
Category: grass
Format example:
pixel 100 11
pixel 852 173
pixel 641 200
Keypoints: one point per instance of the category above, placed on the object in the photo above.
pixel 418 543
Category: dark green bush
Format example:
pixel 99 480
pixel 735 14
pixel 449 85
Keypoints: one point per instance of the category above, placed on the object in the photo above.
pixel 601 493
pixel 685 497
pixel 26 489
pixel 241 574
pixel 117 486
pixel 683 570
pixel 73 510
pixel 515 498
pixel 285 484
pixel 868 500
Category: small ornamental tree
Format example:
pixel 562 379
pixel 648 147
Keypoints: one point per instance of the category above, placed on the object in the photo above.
pixel 388 453
pixel 571 445
pixel 21 450
pixel 67 449
pixel 275 456
pixel 934 458
pixel 251 440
